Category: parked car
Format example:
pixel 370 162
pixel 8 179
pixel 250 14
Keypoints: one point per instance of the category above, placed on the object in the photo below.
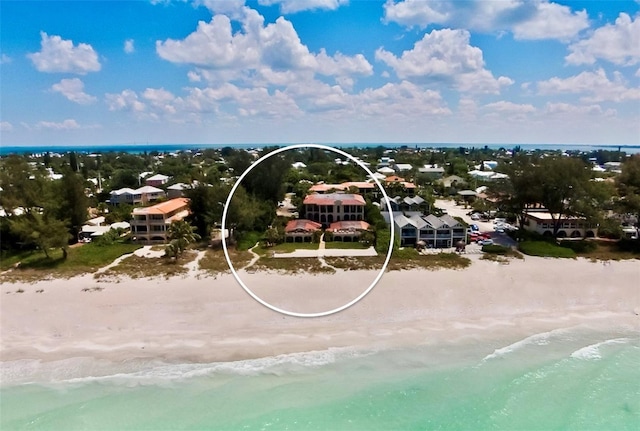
pixel 475 216
pixel 475 228
pixel 486 242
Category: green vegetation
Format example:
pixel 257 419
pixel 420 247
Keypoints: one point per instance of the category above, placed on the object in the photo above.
pixel 405 260
pixel 545 249
pixel 35 265
pixel 180 234
pixel 346 245
pixel 214 261
pixel 248 239
pixel 148 267
pixel 289 247
pixel 311 265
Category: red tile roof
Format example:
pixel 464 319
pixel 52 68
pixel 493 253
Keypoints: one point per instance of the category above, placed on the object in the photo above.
pixel 164 207
pixel 348 225
pixel 302 224
pixel 333 199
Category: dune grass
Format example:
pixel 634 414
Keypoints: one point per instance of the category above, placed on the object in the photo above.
pixel 86 258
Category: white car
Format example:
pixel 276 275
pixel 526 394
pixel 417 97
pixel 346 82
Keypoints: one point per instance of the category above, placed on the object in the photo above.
pixel 486 242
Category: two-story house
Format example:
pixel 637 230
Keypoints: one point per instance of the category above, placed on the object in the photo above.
pixel 150 224
pixel 332 207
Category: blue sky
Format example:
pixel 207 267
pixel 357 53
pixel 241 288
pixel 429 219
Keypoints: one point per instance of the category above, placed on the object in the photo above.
pixel 323 71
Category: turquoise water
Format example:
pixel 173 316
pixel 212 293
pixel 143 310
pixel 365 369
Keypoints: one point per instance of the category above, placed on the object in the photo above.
pixel 563 379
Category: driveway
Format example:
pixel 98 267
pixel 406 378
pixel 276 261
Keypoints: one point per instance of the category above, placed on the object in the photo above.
pixel 460 211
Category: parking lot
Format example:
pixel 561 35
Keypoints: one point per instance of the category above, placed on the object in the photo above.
pixel 454 210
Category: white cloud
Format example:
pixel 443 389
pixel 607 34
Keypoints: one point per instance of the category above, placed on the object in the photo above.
pixel 232 8
pixel 506 107
pixel 5 126
pixel 618 43
pixel 5 59
pixel 446 56
pixel 72 89
pixel 58 55
pixel 525 19
pixel 129 46
pixel 403 100
pixel 272 53
pixel 127 100
pixel 293 6
pixel 571 110
pixel 596 85
pixel 69 124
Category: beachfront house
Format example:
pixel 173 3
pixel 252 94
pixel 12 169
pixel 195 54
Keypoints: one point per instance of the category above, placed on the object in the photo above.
pixel 300 230
pixel 332 207
pixel 540 221
pixel 348 231
pixel 150 224
pixel 436 232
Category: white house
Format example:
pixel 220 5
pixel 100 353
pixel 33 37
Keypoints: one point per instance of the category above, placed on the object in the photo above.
pixel 142 195
pixel 540 221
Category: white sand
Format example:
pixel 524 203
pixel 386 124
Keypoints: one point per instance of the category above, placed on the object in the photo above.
pixel 210 319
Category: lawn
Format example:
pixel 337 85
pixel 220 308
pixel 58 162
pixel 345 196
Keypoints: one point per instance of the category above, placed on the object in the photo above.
pixel 35 265
pixel 345 245
pixel 545 249
pixel 289 247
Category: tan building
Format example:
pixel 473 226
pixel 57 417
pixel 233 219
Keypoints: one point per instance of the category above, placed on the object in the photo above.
pixel 540 221
pixel 150 224
pixel 332 207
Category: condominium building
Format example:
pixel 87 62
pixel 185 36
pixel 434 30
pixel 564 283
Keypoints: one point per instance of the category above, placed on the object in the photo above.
pixel 332 207
pixel 150 224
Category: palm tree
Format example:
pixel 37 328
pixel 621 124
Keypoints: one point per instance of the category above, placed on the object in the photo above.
pixel 181 234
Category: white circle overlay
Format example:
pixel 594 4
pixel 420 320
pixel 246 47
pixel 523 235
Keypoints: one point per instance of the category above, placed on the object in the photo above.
pixel 224 223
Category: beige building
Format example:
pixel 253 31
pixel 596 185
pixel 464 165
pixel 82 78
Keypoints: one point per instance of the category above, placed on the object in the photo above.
pixel 150 224
pixel 332 207
pixel 540 221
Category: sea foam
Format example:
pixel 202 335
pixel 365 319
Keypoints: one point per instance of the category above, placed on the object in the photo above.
pixel 540 339
pixel 592 352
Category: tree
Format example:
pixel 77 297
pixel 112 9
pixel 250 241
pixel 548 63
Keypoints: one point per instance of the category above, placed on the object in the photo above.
pixel 520 190
pixel 71 200
pixel 206 204
pixel 272 237
pixel 42 230
pixel 73 161
pixel 628 183
pixel 180 234
pixel 564 187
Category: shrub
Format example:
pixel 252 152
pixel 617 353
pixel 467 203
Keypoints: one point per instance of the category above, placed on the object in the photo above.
pixel 545 249
pixel 495 249
pixel 631 245
pixel 580 246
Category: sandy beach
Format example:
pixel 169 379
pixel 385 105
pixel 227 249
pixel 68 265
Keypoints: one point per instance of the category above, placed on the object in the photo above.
pixel 207 319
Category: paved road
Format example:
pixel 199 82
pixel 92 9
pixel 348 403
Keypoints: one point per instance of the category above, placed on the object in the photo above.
pixel 460 211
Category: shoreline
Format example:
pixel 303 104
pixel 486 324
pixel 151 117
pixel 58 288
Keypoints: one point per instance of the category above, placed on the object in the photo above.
pixel 187 319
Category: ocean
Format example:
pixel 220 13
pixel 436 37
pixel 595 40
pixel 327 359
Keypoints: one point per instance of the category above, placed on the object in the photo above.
pixel 565 379
pixel 141 148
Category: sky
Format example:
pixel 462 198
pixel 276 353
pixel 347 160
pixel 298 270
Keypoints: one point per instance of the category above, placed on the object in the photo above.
pixel 319 71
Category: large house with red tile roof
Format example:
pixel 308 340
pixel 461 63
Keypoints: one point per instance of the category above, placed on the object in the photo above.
pixel 150 224
pixel 332 207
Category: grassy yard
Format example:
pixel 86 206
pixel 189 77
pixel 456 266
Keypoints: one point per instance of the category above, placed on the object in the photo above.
pixel 35 265
pixel 605 250
pixel 249 239
pixel 545 249
pixel 345 245
pixel 289 247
